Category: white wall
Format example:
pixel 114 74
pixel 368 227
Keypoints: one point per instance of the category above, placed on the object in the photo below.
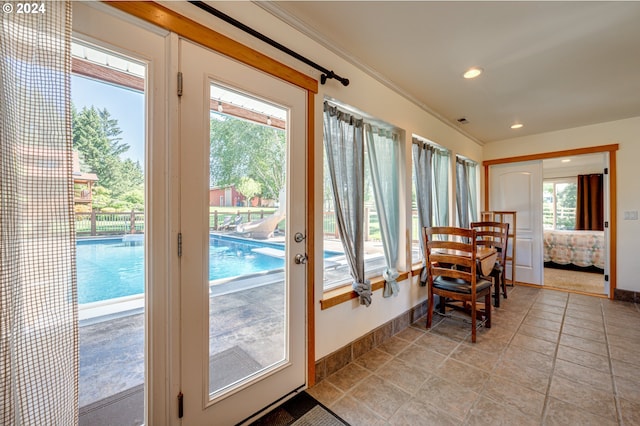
pixel 626 133
pixel 346 322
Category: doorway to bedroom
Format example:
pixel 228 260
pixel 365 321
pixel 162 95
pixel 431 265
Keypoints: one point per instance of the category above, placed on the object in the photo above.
pixel 573 214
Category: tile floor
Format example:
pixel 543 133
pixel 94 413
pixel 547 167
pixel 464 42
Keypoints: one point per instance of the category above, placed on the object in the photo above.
pixel 551 358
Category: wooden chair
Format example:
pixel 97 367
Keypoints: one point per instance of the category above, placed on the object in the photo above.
pixel 452 272
pixel 496 235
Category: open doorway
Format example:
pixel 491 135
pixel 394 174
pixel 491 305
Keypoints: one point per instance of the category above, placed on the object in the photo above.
pixel 573 222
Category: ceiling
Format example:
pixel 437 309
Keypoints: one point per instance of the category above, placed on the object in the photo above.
pixel 548 65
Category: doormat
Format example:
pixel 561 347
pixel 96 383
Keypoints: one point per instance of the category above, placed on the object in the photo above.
pixel 301 410
pixel 229 366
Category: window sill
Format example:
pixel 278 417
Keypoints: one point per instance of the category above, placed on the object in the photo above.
pixel 345 293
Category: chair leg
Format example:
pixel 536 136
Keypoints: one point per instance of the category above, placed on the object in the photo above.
pixel 496 287
pixel 429 311
pixel 487 310
pixel 504 282
pixel 473 322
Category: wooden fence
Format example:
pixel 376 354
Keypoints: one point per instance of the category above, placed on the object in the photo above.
pixel 97 223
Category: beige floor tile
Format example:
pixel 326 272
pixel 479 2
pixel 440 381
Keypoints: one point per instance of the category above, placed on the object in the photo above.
pixel 347 377
pixel 588 399
pixel 623 330
pixel 624 369
pixel 528 358
pixel 491 413
pixel 625 342
pixel 515 396
pixel 539 332
pixel 403 375
pixel 394 346
pixel 534 344
pixel 419 412
pixel 373 359
pixel 623 354
pixel 586 359
pixel 585 333
pixel 587 345
pixel 542 322
pixel 470 354
pixel 556 309
pixel 325 392
pixel 527 377
pixel 454 328
pixel 560 413
pixel 355 413
pixel 630 411
pixel 437 343
pixel 628 388
pixel 545 315
pixel 454 399
pixel 584 314
pixel 462 374
pixel 421 357
pixel 588 376
pixel 411 334
pixel 592 324
pixel 380 396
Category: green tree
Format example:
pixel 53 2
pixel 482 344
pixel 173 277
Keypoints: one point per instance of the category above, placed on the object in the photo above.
pixel 243 150
pixel 96 138
pixel 249 188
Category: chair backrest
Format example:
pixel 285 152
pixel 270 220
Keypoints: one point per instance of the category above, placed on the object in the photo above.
pixel 493 234
pixel 450 252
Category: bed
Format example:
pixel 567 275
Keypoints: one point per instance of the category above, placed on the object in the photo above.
pixel 583 249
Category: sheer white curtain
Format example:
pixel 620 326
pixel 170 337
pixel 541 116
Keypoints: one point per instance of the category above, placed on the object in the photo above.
pixel 466 191
pixel 382 148
pixel 38 311
pixel 344 146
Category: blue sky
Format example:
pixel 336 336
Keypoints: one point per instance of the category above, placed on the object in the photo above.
pixel 125 105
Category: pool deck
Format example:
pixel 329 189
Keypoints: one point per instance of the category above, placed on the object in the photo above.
pixel 112 336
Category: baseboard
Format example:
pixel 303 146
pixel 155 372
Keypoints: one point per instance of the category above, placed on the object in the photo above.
pixel 343 356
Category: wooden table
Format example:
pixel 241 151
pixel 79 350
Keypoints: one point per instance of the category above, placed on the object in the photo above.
pixel 485 256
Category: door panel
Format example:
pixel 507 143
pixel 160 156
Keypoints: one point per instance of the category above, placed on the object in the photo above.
pixel 243 297
pixel 518 187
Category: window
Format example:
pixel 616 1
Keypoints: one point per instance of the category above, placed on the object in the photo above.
pixel 361 164
pixel 431 176
pixel 559 204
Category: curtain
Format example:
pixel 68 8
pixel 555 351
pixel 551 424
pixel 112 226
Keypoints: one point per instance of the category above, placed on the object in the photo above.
pixel 466 192
pixel 441 187
pixel 431 173
pixel 344 146
pixel 423 154
pixel 382 147
pixel 38 310
pixel 589 203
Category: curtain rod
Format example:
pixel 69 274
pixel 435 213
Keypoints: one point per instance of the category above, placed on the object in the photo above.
pixel 326 73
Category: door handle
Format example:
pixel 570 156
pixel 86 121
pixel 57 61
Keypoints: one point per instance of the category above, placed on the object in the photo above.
pixel 300 259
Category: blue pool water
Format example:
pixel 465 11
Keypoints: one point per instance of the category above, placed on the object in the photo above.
pixel 108 268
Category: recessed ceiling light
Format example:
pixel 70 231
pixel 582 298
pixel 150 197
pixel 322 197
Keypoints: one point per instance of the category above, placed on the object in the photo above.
pixel 472 72
pixel 517 126
pixel 566 160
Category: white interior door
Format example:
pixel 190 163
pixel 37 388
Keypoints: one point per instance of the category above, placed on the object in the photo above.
pixel 243 342
pixel 518 187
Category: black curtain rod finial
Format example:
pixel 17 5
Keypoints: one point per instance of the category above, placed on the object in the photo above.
pixel 331 74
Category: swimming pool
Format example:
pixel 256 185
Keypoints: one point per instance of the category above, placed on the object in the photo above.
pixel 109 268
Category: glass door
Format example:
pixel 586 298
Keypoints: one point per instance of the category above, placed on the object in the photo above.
pixel 243 288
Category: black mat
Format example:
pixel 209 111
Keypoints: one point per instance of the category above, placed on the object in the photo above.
pixel 301 410
pixel 229 366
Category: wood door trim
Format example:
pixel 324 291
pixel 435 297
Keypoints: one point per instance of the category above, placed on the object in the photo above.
pixel 613 197
pixel 169 20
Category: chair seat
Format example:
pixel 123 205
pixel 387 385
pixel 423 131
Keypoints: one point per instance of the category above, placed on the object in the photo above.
pixel 458 285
